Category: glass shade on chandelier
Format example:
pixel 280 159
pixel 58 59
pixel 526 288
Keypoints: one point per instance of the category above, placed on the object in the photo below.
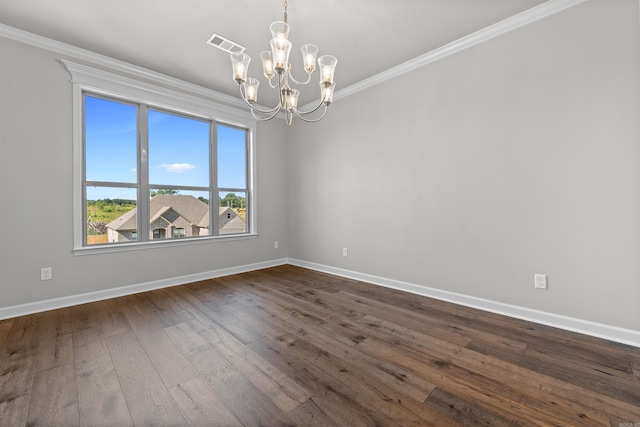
pixel 275 65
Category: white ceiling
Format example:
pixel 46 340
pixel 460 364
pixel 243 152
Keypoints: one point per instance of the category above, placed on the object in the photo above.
pixel 169 36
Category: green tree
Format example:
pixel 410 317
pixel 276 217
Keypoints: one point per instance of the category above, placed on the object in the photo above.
pixel 233 201
pixel 163 191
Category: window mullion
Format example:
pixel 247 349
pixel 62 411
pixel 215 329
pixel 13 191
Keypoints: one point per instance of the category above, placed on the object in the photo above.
pixel 143 174
pixel 214 219
pixel 248 177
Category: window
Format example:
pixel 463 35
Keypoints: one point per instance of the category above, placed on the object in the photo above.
pixel 157 163
pixel 153 165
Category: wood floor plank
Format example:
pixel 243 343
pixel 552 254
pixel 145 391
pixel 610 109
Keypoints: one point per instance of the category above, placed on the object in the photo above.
pixel 288 346
pixel 218 312
pixel 310 415
pixel 621 386
pixel 247 403
pixel 53 398
pixel 336 351
pixel 526 382
pixel 5 326
pixel 140 314
pixel 466 412
pixel 147 397
pixel 170 363
pixel 188 340
pixel 52 339
pixel 17 361
pixel 110 317
pixel 285 393
pixel 13 411
pixel 299 369
pixel 447 358
pixel 100 398
pixel 202 407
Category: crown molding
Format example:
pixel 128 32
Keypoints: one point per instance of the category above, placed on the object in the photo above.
pixel 116 65
pixel 550 7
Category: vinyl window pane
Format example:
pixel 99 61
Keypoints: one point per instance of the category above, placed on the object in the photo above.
pixel 111 143
pixel 178 150
pixel 110 215
pixel 232 213
pixel 178 214
pixel 232 157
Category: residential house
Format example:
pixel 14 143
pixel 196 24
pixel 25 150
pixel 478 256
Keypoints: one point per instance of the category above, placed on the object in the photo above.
pixel 174 216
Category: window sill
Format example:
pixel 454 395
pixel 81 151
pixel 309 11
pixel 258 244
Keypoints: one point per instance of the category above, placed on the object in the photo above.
pixel 136 246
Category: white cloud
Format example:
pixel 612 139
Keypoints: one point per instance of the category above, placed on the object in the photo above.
pixel 177 167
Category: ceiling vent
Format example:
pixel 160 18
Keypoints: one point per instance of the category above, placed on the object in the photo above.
pixel 225 44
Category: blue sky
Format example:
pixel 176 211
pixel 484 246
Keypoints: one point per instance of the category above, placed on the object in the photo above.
pixel 178 150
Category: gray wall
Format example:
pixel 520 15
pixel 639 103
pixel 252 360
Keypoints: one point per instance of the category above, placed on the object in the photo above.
pixel 515 157
pixel 36 196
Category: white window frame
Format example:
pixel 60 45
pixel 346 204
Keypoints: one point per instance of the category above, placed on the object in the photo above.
pixel 89 80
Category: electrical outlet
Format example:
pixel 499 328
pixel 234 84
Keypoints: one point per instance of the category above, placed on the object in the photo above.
pixel 540 281
pixel 345 252
pixel 46 273
pixel 275 245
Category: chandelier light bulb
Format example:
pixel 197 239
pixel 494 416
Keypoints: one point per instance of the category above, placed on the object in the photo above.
pixel 240 63
pixel 309 54
pixel 267 64
pixel 327 64
pixel 251 89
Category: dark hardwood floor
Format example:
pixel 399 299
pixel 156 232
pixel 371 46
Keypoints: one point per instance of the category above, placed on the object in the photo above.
pixel 289 346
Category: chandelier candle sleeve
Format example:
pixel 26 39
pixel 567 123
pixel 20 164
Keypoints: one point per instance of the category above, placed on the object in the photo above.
pixel 267 64
pixel 240 64
pixel 280 32
pixel 280 54
pixel 327 64
pixel 309 54
pixel 326 91
pixel 293 99
pixel 251 89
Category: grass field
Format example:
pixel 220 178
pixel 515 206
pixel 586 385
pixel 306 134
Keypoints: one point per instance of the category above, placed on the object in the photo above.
pixel 106 212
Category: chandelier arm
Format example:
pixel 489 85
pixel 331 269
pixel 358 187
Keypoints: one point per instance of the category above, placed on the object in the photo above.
pixel 304 113
pixel 324 113
pixel 296 81
pixel 263 119
pixel 269 111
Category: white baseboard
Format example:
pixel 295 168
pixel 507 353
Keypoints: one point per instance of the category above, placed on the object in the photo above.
pixel 52 304
pixel 599 330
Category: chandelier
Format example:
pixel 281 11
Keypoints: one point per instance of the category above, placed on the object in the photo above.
pixel 275 64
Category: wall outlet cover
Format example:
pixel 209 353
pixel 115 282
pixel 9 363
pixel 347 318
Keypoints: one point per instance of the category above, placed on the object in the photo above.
pixel 540 281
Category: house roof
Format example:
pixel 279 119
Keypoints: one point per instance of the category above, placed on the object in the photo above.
pixel 124 222
pixel 193 210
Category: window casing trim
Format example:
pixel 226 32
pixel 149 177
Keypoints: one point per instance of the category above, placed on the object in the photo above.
pixel 86 79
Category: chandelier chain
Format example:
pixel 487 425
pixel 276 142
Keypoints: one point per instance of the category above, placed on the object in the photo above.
pixel 285 11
